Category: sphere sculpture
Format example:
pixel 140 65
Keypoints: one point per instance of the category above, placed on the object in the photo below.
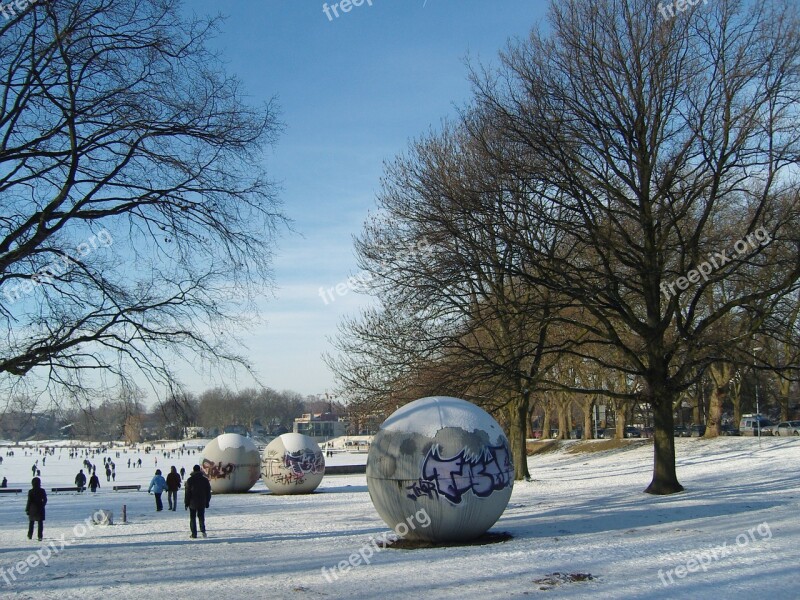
pixel 439 469
pixel 292 464
pixel 231 463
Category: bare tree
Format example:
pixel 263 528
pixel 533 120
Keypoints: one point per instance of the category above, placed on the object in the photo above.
pixel 450 303
pixel 662 150
pixel 133 194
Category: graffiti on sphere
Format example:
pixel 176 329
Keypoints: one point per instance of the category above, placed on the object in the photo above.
pixel 293 467
pixel 453 477
pixel 218 470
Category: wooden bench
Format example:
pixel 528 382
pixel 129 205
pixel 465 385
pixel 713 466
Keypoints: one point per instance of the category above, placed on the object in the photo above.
pixel 10 491
pixel 127 487
pixel 66 489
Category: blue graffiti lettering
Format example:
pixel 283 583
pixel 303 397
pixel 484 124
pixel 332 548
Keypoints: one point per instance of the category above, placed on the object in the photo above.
pixel 485 473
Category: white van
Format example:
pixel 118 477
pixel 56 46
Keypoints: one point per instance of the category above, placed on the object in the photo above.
pixel 750 423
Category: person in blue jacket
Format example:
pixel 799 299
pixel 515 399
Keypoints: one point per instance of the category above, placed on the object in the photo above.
pixel 157 485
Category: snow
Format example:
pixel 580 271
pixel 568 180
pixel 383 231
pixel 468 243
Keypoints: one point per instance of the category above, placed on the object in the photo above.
pixel 296 442
pixel 426 416
pixel 584 513
pixel 234 440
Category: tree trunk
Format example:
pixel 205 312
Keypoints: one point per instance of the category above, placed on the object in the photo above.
pixel 563 417
pixel 784 387
pixel 720 374
pixel 736 399
pixel 665 479
pixel 546 421
pixel 518 429
pixel 623 410
pixel 588 429
pixel 696 413
pixel 714 422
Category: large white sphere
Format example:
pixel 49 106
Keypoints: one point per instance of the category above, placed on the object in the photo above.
pixel 442 465
pixel 292 464
pixel 231 463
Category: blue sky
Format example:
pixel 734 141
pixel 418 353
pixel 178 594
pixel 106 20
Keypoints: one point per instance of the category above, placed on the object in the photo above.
pixel 353 91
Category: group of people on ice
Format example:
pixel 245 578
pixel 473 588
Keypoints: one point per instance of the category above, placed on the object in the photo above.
pixel 197 497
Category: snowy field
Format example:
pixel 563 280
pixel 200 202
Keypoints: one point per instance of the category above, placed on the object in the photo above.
pixel 735 533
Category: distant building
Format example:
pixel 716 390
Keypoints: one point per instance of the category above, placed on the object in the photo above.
pixel 321 427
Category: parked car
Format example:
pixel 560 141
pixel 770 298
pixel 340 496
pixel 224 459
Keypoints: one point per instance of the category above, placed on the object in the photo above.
pixel 647 432
pixel 728 429
pixel 681 431
pixel 787 428
pixel 697 430
pixel 750 425
pixel 576 433
pixel 633 432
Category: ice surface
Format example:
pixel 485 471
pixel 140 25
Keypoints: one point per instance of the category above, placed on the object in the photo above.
pixel 583 513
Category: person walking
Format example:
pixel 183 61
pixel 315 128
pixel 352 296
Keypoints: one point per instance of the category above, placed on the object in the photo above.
pixel 108 472
pixel 80 481
pixel 173 485
pixel 183 473
pixel 94 482
pixel 157 485
pixel 197 499
pixel 37 498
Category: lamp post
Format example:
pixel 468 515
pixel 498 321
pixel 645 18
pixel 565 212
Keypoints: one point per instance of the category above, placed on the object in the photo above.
pixel 755 378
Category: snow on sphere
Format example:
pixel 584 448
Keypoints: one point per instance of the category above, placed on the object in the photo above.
pixel 292 463
pixel 231 463
pixel 441 468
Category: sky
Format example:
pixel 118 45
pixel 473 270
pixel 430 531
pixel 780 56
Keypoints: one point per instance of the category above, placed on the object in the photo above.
pixel 353 91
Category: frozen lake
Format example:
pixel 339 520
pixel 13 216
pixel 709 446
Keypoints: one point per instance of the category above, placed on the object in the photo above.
pixel 734 533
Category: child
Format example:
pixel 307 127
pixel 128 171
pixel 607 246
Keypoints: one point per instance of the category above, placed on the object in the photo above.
pixel 37 498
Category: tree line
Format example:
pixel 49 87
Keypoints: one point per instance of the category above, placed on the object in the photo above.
pixel 612 218
pixel 125 417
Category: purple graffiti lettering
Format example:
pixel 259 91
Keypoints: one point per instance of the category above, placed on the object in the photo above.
pixel 217 470
pixel 304 461
pixel 293 466
pixel 485 473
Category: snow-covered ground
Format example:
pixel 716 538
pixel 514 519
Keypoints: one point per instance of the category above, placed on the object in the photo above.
pixel 735 533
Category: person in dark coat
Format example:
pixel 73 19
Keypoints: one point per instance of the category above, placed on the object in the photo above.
pixel 197 499
pixel 80 481
pixel 37 498
pixel 94 482
pixel 173 485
